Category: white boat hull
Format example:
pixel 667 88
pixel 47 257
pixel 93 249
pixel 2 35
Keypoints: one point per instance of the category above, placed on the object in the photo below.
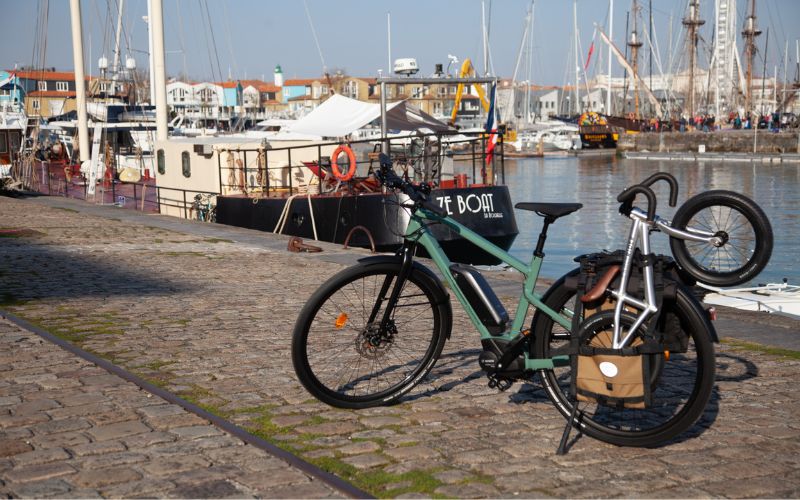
pixel 773 298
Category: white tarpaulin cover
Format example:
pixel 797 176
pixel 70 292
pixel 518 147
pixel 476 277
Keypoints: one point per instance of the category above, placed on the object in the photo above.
pixel 340 116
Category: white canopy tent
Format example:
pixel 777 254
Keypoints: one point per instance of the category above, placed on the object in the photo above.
pixel 340 116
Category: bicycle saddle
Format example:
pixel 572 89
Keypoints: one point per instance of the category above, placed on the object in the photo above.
pixel 554 210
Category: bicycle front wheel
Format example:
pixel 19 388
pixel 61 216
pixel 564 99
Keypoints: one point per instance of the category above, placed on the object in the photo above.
pixel 681 388
pixel 745 230
pixel 345 359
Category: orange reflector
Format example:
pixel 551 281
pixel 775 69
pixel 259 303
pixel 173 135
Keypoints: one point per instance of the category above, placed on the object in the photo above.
pixel 666 355
pixel 712 313
pixel 341 320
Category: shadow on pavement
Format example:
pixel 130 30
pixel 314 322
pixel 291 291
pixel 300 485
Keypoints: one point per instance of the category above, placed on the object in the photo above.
pixel 31 271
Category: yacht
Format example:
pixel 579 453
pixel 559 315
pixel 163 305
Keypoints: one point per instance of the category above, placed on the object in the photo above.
pixel 560 137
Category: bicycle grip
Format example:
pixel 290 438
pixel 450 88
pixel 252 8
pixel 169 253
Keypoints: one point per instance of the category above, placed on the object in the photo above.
pixel 629 194
pixel 670 179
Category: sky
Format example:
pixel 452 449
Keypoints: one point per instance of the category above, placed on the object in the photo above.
pixel 248 38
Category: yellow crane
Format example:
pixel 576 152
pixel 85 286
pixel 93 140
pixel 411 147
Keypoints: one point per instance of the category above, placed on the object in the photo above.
pixel 468 70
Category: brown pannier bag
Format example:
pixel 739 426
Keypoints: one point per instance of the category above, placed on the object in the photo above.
pixel 613 377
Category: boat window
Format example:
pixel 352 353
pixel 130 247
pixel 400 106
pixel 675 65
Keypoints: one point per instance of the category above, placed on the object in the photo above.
pixel 187 169
pixel 3 144
pixel 162 167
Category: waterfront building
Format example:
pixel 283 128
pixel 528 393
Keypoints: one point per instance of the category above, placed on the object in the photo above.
pixel 11 92
pixel 303 95
pixel 261 99
pixel 47 93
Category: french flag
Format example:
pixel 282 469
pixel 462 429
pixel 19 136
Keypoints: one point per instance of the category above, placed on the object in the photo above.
pixel 491 125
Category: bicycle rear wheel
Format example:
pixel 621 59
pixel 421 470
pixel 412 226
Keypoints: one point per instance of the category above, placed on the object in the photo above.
pixel 344 360
pixel 681 390
pixel 743 226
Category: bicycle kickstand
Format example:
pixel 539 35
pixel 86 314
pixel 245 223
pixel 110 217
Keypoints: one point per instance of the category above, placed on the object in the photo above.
pixel 562 447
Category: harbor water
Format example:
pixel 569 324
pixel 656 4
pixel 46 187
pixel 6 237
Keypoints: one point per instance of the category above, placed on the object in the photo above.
pixel 596 181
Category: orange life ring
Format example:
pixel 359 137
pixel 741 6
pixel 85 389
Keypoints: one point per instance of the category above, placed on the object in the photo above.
pixel 351 171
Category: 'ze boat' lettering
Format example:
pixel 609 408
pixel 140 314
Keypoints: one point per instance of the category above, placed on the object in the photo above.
pixel 470 204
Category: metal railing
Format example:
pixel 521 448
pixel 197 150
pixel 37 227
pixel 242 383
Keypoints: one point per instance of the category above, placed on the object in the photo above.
pixel 265 171
pixel 419 157
pixel 53 179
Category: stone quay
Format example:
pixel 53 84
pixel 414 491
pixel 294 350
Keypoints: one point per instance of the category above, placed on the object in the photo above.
pixel 206 312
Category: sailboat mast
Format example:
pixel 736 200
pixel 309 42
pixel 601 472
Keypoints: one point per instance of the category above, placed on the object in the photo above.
pixel 577 58
pixel 512 104
pixel 389 41
pixel 611 37
pixel 785 73
pixel 157 26
pixel 80 80
pixel 529 61
pixel 692 22
pixel 634 44
pixel 625 72
pixel 485 42
pixel 151 69
pixel 764 72
pixel 650 44
pixel 117 57
pixel 750 33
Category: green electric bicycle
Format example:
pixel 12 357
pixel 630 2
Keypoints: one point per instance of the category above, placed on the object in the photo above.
pixel 373 331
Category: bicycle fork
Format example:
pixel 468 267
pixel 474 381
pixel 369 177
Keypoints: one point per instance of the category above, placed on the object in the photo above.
pixel 407 254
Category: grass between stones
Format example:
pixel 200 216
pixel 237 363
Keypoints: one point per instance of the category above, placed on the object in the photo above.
pixel 321 450
pixel 381 483
pixel 741 345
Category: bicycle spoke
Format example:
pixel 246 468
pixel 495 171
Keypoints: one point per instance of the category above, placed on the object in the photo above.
pixel 344 357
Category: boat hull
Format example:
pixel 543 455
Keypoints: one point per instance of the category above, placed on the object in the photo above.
pixel 598 136
pixel 486 210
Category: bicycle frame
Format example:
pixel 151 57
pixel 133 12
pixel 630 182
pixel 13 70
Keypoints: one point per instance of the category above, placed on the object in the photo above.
pixel 418 233
pixel 640 231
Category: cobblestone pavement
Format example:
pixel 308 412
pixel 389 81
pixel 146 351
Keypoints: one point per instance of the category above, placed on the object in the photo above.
pixel 71 429
pixel 206 312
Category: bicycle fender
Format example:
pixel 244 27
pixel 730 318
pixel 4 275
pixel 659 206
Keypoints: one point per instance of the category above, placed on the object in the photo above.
pixel 442 296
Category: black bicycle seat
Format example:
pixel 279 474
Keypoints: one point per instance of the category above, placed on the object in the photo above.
pixel 553 210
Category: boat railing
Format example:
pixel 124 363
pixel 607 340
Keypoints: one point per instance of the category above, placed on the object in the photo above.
pixel 282 171
pixel 56 178
pixel 272 170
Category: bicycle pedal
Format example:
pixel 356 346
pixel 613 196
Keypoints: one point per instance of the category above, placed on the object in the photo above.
pixel 501 384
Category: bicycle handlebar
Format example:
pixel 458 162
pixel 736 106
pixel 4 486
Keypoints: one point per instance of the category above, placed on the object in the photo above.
pixel 628 195
pixel 626 198
pixel 670 179
pixel 418 194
